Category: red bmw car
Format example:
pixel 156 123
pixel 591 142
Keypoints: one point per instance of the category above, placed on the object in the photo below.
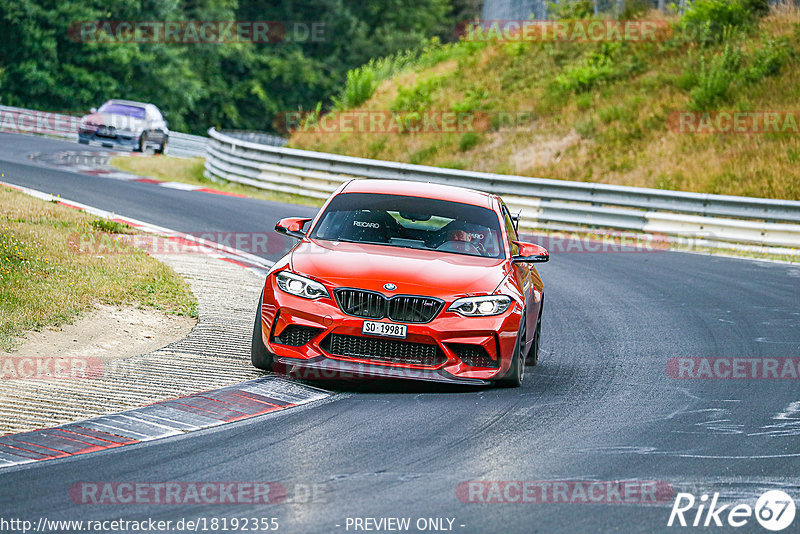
pixel 404 280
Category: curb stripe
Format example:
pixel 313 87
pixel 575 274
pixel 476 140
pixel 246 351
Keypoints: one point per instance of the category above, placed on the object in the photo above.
pixel 218 192
pixel 159 420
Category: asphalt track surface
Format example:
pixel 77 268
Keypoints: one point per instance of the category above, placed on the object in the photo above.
pixel 600 406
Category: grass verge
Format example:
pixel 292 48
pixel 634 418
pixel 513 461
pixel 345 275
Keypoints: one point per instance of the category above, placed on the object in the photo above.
pixel 45 280
pixel 190 171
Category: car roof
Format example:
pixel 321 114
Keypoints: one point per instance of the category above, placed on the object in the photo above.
pixel 420 189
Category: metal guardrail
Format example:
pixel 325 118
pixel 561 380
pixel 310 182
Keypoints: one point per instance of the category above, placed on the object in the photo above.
pixel 545 203
pixel 27 121
pixel 186 145
pixel 256 137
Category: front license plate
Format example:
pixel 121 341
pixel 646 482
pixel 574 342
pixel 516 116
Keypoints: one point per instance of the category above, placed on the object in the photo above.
pixel 372 328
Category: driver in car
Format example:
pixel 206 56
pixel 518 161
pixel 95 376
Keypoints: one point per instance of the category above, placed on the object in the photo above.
pixel 462 241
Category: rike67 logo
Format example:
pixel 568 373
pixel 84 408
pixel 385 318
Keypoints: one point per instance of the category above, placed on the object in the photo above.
pixel 774 510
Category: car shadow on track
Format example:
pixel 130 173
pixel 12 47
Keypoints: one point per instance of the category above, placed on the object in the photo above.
pixel 405 386
pixel 362 384
pixel 394 386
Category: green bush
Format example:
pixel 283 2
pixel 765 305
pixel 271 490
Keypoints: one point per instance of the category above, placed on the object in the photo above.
pixel 359 88
pixel 758 8
pixel 516 48
pixel 423 155
pixel 111 227
pixel 596 68
pixel 468 141
pixel 363 81
pixel 706 21
pixel 768 60
pixel 714 79
pixel 415 98
pixel 577 9
pixel 634 9
pixel 473 100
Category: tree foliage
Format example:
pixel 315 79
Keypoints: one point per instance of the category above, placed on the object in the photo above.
pixel 230 85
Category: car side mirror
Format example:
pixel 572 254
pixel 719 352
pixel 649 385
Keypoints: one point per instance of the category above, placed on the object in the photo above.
pixel 93 110
pixel 530 253
pixel 292 226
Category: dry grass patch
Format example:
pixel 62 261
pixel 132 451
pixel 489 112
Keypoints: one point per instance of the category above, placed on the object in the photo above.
pixel 45 280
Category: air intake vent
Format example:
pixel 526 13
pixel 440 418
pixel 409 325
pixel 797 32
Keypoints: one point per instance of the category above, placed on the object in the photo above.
pixel 474 355
pixel 384 350
pixel 296 335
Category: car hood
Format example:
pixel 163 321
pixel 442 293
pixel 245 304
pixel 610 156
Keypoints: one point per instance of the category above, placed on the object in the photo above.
pixel 418 272
pixel 121 122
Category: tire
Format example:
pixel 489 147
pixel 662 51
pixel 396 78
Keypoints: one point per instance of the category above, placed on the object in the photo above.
pixel 533 354
pixel 516 373
pixel 83 141
pixel 259 355
pixel 142 143
pixel 163 148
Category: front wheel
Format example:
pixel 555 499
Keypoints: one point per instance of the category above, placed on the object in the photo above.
pixel 259 355
pixel 533 353
pixel 142 143
pixel 516 373
pixel 163 148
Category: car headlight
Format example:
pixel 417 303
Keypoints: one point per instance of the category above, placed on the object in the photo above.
pixel 481 306
pixel 300 286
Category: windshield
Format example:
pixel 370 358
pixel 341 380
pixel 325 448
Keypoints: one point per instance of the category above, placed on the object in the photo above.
pixel 411 222
pixel 122 109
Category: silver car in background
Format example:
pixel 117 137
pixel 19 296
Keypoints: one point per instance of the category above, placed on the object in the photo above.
pixel 135 125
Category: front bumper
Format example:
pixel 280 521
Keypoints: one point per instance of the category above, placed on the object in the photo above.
pixel 446 336
pixel 87 136
pixel 322 368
